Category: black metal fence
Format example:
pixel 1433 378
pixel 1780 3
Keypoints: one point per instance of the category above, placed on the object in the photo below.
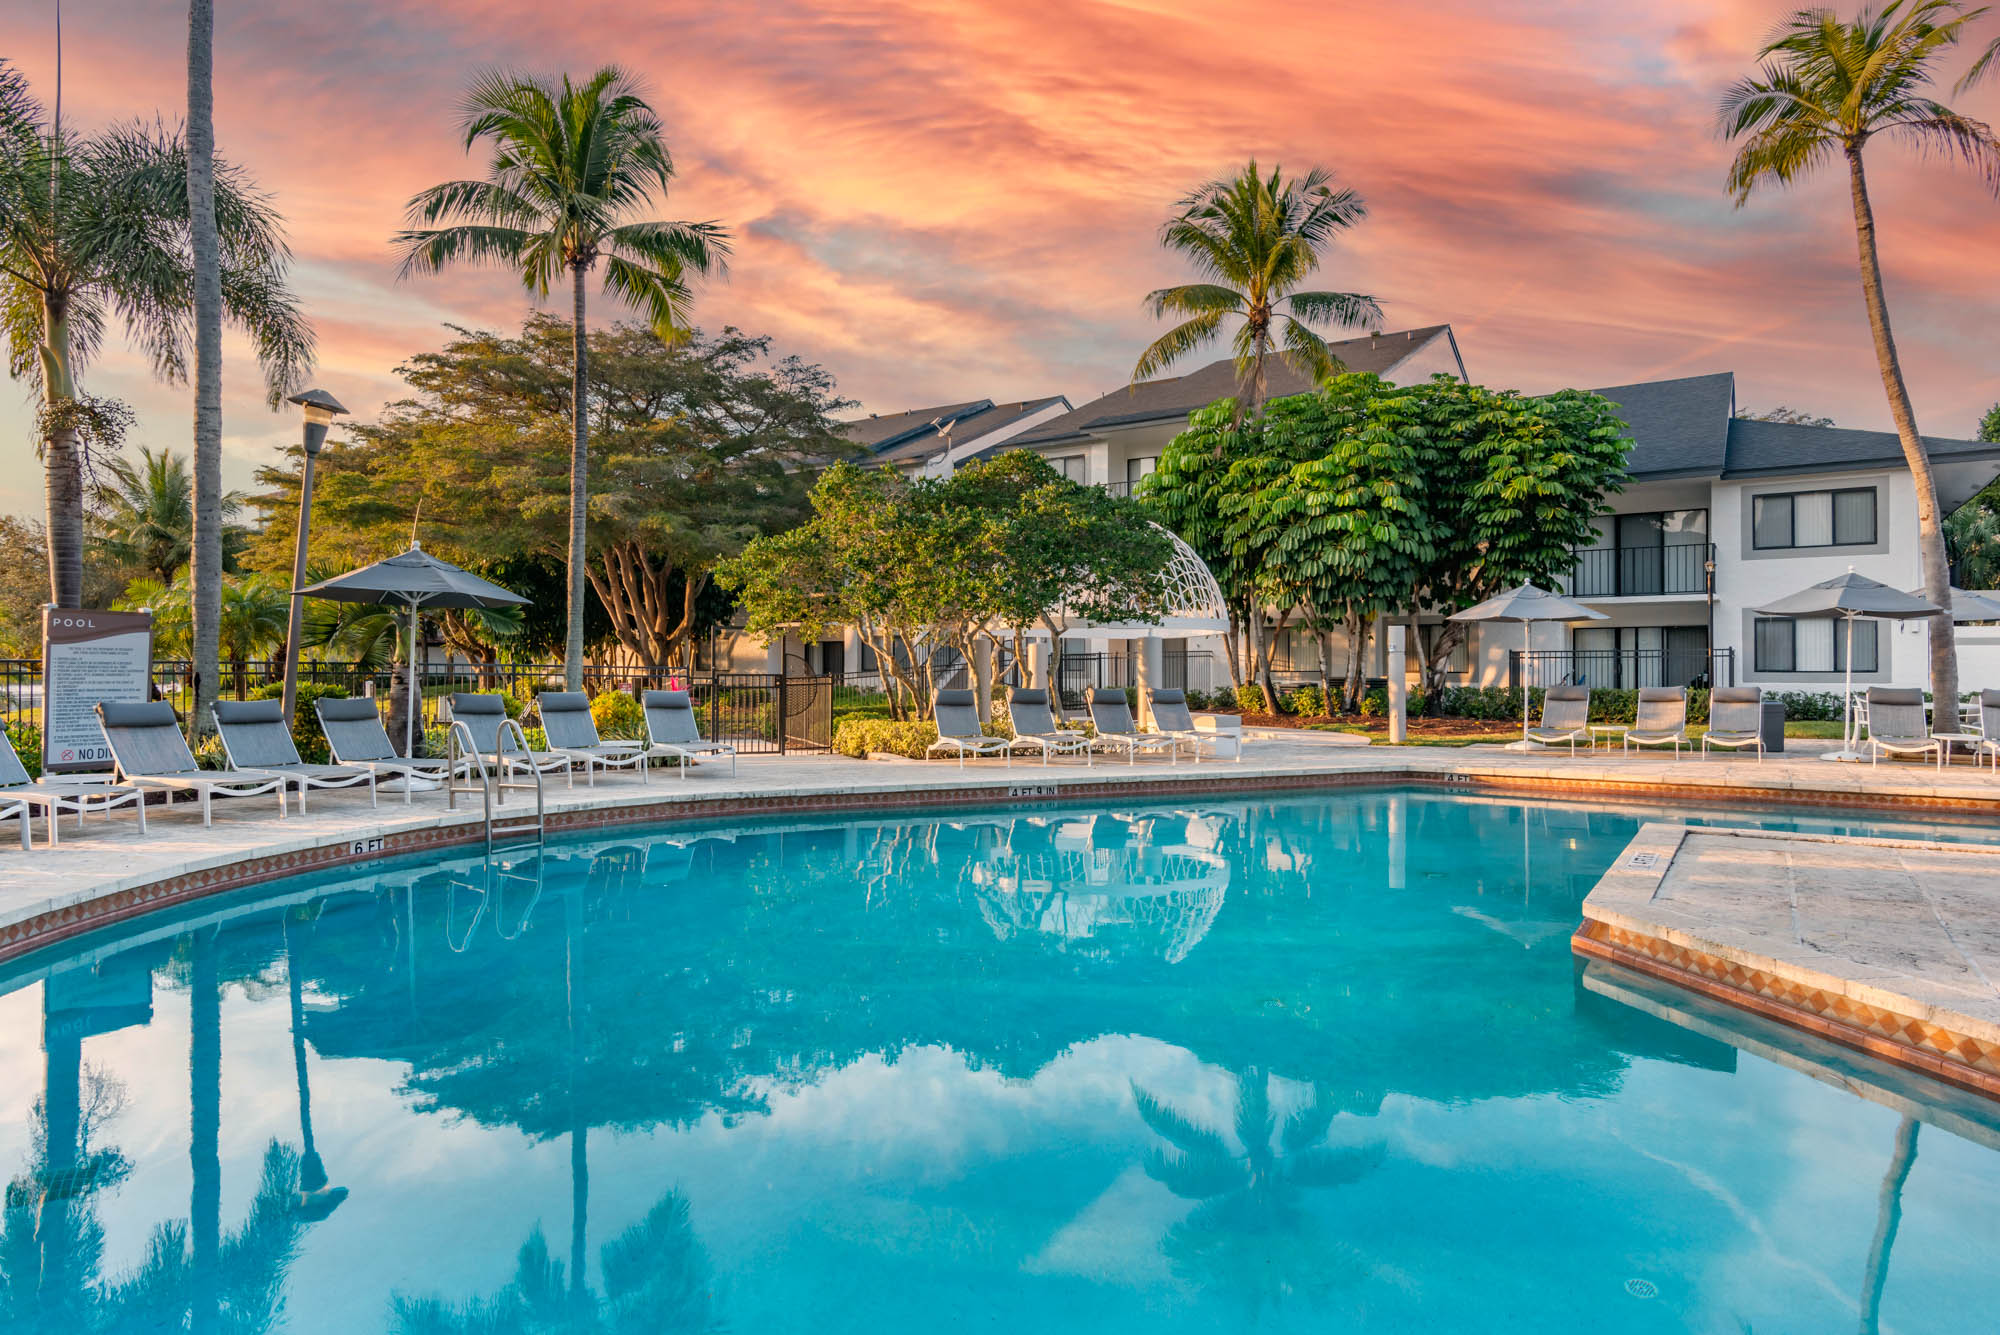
pixel 1640 572
pixel 753 711
pixel 1622 669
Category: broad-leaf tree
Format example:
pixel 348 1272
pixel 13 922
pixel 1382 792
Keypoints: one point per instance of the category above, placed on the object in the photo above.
pixel 94 230
pixel 1827 88
pixel 1254 239
pixel 571 166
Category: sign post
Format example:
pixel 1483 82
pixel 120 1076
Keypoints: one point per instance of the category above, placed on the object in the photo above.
pixel 88 656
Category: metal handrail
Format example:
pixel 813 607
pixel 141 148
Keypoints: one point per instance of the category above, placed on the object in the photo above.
pixel 496 782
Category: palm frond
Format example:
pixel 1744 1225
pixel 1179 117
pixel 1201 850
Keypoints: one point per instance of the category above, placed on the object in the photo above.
pixel 1344 310
pixel 1176 343
pixel 1189 1137
pixel 1195 298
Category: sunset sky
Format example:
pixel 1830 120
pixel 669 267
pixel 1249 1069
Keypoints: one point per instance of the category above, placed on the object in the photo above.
pixel 946 201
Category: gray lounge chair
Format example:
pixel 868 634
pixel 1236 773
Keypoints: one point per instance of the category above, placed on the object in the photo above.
pixel 1898 723
pixel 671 730
pixel 1735 719
pixel 149 752
pixel 483 714
pixel 20 795
pixel 1111 714
pixel 572 732
pixel 1661 719
pixel 1565 717
pixel 959 732
pixel 356 737
pixel 255 736
pixel 1172 717
pixel 1035 727
pixel 1989 729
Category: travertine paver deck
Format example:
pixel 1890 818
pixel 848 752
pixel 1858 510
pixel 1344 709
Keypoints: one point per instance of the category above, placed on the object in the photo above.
pixel 110 856
pixel 1894 939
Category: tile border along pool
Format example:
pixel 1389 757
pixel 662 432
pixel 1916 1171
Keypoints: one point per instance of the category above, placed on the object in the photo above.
pixel 111 874
pixel 1890 946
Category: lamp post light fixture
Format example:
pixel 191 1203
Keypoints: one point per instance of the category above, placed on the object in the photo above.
pixel 320 409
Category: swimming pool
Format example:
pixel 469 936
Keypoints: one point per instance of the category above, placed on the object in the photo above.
pixel 1307 1062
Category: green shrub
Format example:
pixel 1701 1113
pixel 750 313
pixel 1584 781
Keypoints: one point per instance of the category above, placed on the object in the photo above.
pixel 1809 706
pixel 1375 703
pixel 307 735
pixel 1197 699
pixel 210 755
pixel 1309 700
pixel 1250 699
pixel 857 737
pixel 27 739
pixel 618 715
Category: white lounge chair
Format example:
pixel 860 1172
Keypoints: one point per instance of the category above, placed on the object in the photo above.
pixel 1735 719
pixel 1565 717
pixel 1898 723
pixel 572 732
pixel 20 795
pixel 256 736
pixel 1989 729
pixel 959 732
pixel 1035 727
pixel 1661 719
pixel 1111 714
pixel 671 730
pixel 149 752
pixel 482 714
pixel 356 737
pixel 1172 716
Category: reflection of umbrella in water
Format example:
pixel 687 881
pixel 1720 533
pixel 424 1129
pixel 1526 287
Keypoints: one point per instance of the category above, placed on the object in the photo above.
pixel 417 580
pixel 1527 604
pixel 1850 597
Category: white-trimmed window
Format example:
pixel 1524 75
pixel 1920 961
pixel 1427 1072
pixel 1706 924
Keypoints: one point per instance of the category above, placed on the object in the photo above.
pixel 1842 518
pixel 1071 466
pixel 1814 644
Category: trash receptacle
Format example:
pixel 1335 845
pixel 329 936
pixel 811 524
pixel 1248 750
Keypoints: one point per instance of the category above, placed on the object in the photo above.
pixel 1774 725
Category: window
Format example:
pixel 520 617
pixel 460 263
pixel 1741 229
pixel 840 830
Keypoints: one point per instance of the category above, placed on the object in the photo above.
pixel 1844 518
pixel 1817 644
pixel 1136 469
pixel 1070 466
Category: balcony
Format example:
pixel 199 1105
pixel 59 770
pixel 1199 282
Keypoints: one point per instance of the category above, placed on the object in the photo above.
pixel 1640 572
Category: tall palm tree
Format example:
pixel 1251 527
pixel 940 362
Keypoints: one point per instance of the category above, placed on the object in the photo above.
pixel 94 229
pixel 254 614
pixel 147 514
pixel 1828 87
pixel 1254 238
pixel 204 246
pixel 571 163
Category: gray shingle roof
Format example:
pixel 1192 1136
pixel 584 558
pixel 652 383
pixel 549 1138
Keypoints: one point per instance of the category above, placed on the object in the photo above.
pixel 1780 447
pixel 877 432
pixel 1167 400
pixel 908 437
pixel 1680 428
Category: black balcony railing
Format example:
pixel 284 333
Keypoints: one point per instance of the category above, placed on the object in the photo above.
pixel 1640 572
pixel 1622 669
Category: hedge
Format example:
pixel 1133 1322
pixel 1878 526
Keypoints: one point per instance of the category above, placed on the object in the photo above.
pixel 618 715
pixel 306 732
pixel 857 737
pixel 27 740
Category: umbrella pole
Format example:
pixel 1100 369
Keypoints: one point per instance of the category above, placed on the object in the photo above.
pixel 1527 642
pixel 416 702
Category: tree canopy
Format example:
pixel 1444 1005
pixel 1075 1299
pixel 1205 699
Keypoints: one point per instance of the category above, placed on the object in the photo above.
pixel 698 447
pixel 924 568
pixel 1364 498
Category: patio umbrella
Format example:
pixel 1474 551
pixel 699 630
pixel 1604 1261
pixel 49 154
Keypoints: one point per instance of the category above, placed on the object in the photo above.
pixel 1527 604
pixel 1971 604
pixel 1851 597
pixel 414 579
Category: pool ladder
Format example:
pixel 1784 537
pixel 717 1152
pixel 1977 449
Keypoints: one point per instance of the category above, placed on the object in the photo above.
pixel 493 786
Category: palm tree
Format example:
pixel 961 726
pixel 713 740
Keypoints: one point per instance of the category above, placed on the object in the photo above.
pixel 204 245
pixel 255 614
pixel 147 519
pixel 1254 239
pixel 1826 88
pixel 168 602
pixel 571 163
pixel 95 229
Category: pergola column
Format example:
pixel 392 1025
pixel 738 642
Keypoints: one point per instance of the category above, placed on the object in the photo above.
pixel 1152 656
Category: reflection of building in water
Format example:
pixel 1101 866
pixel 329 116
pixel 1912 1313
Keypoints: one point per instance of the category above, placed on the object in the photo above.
pixel 1152 884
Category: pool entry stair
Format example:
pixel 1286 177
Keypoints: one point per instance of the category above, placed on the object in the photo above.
pixel 1889 946
pixel 464 758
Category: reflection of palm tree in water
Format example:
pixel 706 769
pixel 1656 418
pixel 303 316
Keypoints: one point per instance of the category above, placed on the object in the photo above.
pixel 1251 1231
pixel 1889 1217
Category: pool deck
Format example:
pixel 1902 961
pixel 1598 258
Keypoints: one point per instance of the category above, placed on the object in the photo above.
pixel 1904 972
pixel 1890 946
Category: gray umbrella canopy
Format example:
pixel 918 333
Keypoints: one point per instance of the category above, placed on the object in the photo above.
pixel 1525 604
pixel 417 580
pixel 414 578
pixel 1851 595
pixel 1972 604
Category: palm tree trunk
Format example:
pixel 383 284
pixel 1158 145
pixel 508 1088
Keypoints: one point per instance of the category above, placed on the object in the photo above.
pixel 207 591
pixel 579 494
pixel 1930 526
pixel 204 1132
pixel 1888 1218
pixel 63 461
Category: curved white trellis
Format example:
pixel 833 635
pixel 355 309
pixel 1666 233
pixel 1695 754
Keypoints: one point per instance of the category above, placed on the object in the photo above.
pixel 1194 603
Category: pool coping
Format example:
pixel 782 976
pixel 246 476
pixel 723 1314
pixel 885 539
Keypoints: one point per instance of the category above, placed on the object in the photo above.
pixel 1622 925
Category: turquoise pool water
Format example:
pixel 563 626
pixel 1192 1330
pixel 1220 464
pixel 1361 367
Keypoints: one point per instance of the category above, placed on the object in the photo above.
pixel 1311 1063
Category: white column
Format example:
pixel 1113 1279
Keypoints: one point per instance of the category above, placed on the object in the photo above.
pixel 982 677
pixel 1399 685
pixel 1152 661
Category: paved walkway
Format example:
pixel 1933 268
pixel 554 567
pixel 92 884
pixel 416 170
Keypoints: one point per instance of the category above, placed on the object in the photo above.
pixel 1870 941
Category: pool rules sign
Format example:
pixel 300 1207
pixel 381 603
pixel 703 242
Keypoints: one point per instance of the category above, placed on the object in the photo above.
pixel 86 657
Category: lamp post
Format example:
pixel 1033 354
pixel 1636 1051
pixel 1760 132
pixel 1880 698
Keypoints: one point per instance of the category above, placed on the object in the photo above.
pixel 320 409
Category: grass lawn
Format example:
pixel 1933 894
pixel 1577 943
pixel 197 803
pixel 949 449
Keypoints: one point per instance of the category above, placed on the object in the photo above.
pixel 1475 732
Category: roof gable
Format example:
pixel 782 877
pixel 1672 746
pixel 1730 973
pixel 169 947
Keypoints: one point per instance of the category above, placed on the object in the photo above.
pixel 1784 447
pixel 1679 428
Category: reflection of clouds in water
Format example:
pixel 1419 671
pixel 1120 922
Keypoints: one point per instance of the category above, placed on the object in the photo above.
pixel 1156 884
